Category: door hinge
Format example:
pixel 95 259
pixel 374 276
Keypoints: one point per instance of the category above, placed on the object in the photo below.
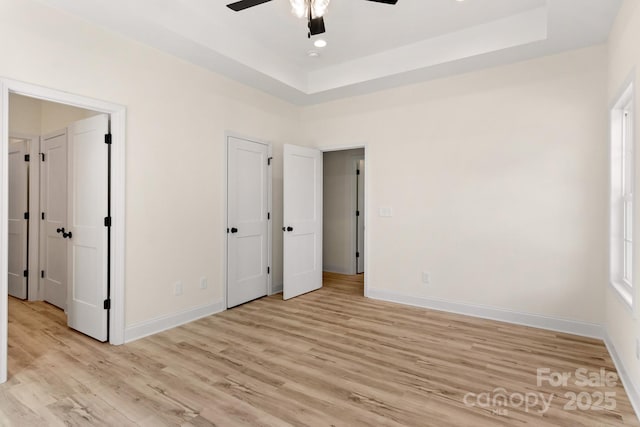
pixel 357 213
pixel 42 156
pixel 26 215
pixel 268 215
pixel 107 221
pixel 25 273
pixel 42 273
pixel 42 215
pixel 27 157
pixel 107 304
pixel 268 270
pixel 107 138
pixel 269 161
pixel 357 254
pixel 358 172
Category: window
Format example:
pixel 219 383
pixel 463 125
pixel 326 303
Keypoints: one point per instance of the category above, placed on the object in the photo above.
pixel 622 195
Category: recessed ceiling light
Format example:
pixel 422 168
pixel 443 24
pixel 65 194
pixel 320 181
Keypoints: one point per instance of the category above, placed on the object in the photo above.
pixel 313 53
pixel 320 43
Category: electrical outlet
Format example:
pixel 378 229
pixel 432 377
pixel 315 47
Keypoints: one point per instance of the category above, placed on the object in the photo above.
pixel 426 277
pixel 203 283
pixel 178 288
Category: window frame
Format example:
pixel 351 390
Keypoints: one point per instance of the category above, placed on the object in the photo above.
pixel 622 197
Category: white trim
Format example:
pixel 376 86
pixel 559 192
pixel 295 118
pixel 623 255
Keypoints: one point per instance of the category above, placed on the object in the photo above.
pixel 163 323
pixel 338 270
pixel 118 126
pixel 575 327
pixel 630 386
pixel 4 201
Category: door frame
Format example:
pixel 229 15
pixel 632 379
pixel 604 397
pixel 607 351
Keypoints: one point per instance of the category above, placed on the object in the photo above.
pixel 367 208
pixel 354 166
pixel 117 269
pixel 225 169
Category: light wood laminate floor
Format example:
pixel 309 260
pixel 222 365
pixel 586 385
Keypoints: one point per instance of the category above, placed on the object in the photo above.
pixel 327 358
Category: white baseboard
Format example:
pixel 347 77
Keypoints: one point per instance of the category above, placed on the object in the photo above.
pixel 162 323
pixel 276 289
pixel 338 270
pixel 630 386
pixel 575 327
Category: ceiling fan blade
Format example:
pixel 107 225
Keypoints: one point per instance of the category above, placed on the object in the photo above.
pixel 245 4
pixel 385 1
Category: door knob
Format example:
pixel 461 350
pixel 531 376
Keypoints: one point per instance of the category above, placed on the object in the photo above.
pixel 60 230
pixel 289 228
pixel 66 235
pixel 234 230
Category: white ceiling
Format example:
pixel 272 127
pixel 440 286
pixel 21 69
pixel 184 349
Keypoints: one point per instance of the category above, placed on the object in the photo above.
pixel 371 46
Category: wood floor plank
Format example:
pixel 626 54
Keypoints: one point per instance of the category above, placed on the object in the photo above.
pixel 330 357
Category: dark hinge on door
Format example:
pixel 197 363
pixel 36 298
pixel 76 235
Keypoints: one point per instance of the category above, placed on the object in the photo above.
pixel 25 273
pixel 107 304
pixel 42 215
pixel 357 213
pixel 27 157
pixel 107 138
pixel 42 273
pixel 268 215
pixel 268 270
pixel 26 215
pixel 107 221
pixel 357 254
pixel 358 172
pixel 269 161
pixel 42 156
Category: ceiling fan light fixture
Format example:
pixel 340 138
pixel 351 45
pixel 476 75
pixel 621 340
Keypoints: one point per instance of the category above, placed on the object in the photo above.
pixel 319 7
pixel 300 8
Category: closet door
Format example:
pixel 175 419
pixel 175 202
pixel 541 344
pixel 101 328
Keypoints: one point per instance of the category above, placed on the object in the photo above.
pixel 53 219
pixel 18 217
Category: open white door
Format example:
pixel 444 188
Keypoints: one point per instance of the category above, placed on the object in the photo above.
pixel 18 222
pixel 247 221
pixel 87 208
pixel 302 219
pixel 53 218
pixel 360 218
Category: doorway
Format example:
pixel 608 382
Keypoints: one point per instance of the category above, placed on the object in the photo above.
pixel 303 217
pixel 70 212
pixel 115 247
pixel 343 212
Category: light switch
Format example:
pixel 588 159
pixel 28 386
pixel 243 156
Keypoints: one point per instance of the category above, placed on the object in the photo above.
pixel 385 212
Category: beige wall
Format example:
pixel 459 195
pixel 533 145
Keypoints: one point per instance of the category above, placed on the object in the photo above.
pixel 177 115
pixel 25 115
pixel 339 205
pixel 496 180
pixel 36 117
pixel 622 325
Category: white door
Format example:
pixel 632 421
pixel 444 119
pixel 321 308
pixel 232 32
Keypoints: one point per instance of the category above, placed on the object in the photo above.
pixel 247 221
pixel 86 233
pixel 302 220
pixel 18 223
pixel 53 218
pixel 360 218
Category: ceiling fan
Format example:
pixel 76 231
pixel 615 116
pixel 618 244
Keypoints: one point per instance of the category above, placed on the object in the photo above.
pixel 311 9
